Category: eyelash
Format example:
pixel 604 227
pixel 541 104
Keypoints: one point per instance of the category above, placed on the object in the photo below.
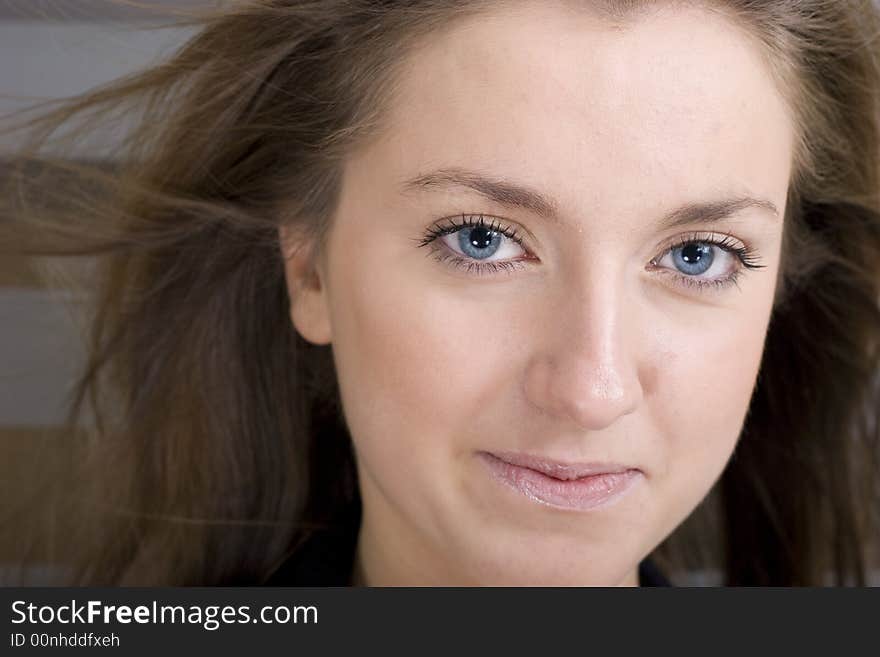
pixel 746 255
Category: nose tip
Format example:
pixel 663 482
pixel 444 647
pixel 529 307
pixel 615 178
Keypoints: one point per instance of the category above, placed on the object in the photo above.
pixel 606 384
pixel 591 394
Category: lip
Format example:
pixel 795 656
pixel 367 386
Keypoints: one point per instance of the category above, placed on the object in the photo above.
pixel 579 486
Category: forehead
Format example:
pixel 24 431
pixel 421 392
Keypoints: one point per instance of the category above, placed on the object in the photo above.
pixel 677 103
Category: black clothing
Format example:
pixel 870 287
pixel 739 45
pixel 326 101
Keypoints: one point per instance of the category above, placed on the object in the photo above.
pixel 326 558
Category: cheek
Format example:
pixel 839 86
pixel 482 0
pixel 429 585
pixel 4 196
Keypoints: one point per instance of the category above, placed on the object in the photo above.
pixel 709 379
pixel 413 360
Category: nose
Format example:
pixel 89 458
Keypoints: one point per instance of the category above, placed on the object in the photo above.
pixel 586 369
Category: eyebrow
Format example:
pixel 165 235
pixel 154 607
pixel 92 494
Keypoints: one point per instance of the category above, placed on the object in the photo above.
pixel 515 195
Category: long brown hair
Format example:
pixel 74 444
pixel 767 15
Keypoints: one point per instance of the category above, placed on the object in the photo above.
pixel 209 435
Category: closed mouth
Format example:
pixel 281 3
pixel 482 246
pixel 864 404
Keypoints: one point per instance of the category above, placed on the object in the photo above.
pixel 564 485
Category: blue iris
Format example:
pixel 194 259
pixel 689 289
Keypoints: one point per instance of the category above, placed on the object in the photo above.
pixel 479 241
pixel 695 258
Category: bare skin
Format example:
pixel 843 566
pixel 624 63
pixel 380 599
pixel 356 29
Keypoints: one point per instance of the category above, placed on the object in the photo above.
pixel 594 347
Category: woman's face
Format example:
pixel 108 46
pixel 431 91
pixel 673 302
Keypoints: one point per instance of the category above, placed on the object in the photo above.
pixel 612 334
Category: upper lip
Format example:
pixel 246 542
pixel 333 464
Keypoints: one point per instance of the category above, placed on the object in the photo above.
pixel 559 469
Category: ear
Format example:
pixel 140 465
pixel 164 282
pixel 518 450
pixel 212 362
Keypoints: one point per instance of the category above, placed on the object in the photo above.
pixel 309 307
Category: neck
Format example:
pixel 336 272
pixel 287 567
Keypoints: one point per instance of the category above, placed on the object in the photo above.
pixel 401 562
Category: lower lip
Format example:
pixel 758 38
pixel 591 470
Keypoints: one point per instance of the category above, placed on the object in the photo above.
pixel 580 494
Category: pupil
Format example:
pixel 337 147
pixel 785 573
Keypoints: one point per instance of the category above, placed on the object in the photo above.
pixel 481 238
pixel 693 253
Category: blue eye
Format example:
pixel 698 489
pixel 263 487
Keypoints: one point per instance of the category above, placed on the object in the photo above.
pixel 694 258
pixel 471 243
pixel 479 241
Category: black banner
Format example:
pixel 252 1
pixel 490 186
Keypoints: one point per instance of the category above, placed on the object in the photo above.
pixel 415 620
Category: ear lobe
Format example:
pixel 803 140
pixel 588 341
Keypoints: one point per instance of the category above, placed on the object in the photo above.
pixel 309 308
